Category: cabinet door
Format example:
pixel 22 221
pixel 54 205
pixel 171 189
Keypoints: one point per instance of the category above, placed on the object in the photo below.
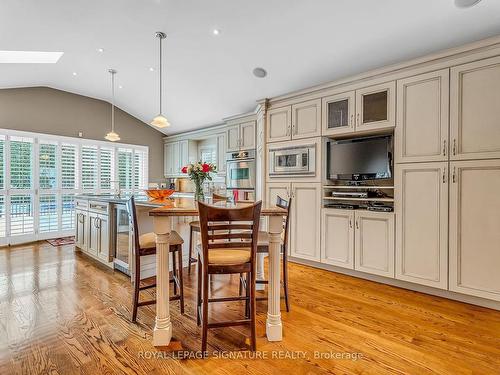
pixel 422 118
pixel 305 224
pixel 421 202
pixel 374 243
pixel 81 229
pixel 475 110
pixel 93 233
pixel 168 159
pixel 176 158
pixel 337 238
pixel 338 113
pixel 183 155
pixel 233 138
pixel 247 135
pixel 103 249
pixel 475 228
pixel 279 124
pixel 306 119
pixel 221 154
pixel 275 189
pixel 376 107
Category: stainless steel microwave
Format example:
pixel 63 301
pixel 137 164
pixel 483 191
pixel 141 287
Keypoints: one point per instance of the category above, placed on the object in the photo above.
pixel 297 161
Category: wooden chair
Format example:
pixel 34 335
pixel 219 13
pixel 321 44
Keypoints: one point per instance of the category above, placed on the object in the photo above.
pixel 194 227
pixel 145 244
pixel 229 245
pixel 263 248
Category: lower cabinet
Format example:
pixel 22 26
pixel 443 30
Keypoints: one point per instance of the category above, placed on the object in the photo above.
pixel 81 217
pixel 93 233
pixel 305 228
pixel 360 240
pixel 475 228
pixel 374 243
pixel 421 203
pixel 337 238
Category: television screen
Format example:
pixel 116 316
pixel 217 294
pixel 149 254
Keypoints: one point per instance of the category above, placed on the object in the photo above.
pixel 360 159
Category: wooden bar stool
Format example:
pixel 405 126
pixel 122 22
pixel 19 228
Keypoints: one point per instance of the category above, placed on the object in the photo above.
pixel 194 227
pixel 263 248
pixel 229 245
pixel 145 244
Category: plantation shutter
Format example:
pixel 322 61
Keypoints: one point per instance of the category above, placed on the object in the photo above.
pixel 107 168
pixel 89 167
pixel 125 168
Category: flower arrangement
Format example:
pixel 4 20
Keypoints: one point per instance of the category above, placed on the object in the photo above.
pixel 199 172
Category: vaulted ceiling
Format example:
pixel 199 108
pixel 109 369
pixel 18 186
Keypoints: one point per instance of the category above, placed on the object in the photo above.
pixel 207 76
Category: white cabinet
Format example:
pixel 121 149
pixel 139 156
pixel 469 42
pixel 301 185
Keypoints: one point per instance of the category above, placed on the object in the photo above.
pixel 301 120
pixel 104 230
pixel 421 204
pixel 81 217
pixel 221 154
pixel 93 235
pixel 337 237
pixel 422 118
pixel 177 154
pixel 475 110
pixel 305 224
pixel 368 109
pixel 305 216
pixel 475 228
pixel 374 243
pixel 241 136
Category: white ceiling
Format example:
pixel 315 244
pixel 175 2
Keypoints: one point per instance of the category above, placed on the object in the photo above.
pixel 300 44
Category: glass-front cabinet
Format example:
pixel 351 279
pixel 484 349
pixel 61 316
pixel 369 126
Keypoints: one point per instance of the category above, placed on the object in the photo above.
pixel 366 109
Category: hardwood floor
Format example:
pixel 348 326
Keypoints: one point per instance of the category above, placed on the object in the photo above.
pixel 62 313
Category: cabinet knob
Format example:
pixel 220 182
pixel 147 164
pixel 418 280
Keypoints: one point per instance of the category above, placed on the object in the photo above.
pixel 357 119
pixel 444 147
pixel 454 147
pixel 454 178
pixel 352 120
pixel 357 223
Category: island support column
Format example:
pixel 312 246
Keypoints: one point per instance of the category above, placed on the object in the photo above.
pixel 162 332
pixel 274 329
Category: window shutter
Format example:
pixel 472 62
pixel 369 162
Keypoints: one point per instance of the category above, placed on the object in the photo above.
pixel 107 168
pixel 125 168
pixel 89 167
pixel 48 213
pixel 67 212
pixel 47 166
pixel 68 166
pixel 21 163
pixel 21 214
pixel 140 169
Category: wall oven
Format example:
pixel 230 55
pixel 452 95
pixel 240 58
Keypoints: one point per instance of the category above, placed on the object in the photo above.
pixel 297 160
pixel 240 170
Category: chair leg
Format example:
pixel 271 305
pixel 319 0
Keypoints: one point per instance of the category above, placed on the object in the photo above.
pixel 174 271
pixel 240 288
pixel 181 281
pixel 204 314
pixel 190 248
pixel 253 339
pixel 198 302
pixel 248 290
pixel 137 281
pixel 285 280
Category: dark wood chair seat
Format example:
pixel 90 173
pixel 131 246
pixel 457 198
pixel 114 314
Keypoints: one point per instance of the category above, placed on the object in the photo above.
pixel 229 245
pixel 145 244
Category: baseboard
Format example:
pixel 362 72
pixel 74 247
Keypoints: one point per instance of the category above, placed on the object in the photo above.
pixel 402 284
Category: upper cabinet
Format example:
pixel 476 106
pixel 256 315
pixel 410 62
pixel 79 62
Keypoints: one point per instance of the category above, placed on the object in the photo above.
pixel 475 110
pixel 221 154
pixel 422 118
pixel 241 136
pixel 301 120
pixel 367 109
pixel 178 154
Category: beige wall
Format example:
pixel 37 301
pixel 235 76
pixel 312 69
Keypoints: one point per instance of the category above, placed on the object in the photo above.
pixel 50 111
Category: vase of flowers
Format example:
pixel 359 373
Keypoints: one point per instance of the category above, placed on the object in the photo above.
pixel 199 172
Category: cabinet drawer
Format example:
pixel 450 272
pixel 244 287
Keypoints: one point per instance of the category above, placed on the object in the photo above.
pixel 81 204
pixel 99 207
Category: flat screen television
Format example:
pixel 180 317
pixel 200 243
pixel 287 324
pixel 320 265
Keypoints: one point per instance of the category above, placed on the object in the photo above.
pixel 360 159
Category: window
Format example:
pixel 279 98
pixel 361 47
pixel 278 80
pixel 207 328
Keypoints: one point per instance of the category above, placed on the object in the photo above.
pixel 40 175
pixel 208 155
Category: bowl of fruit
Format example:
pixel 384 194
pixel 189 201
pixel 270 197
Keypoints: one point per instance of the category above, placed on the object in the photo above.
pixel 159 194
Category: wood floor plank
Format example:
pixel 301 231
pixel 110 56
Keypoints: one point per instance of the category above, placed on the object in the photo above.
pixel 63 313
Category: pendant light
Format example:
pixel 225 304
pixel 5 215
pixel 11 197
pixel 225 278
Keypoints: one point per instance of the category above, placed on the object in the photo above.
pixel 160 121
pixel 112 135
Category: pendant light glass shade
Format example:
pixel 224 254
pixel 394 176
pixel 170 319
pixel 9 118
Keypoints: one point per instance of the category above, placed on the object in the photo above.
pixel 160 121
pixel 112 135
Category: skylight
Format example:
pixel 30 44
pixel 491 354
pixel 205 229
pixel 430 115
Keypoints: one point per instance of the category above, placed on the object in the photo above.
pixel 29 57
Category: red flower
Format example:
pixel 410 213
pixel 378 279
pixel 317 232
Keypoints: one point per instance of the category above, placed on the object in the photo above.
pixel 205 168
pixel 184 170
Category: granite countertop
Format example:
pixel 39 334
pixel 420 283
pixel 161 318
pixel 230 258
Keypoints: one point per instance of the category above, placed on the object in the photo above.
pixel 140 199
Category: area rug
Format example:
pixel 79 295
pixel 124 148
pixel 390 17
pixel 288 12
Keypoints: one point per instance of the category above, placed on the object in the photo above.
pixel 62 241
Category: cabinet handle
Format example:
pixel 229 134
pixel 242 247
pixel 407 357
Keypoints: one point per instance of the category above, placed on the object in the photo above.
pixel 350 223
pixel 454 146
pixel 444 147
pixel 454 175
pixel 357 223
pixel 444 175
pixel 357 119
pixel 352 120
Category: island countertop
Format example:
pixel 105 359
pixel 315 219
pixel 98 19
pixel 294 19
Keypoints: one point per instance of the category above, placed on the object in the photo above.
pixel 140 199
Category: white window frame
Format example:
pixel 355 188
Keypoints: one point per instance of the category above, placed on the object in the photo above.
pixel 36 192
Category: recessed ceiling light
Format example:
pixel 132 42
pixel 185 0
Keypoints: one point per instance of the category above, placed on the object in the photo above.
pixel 216 31
pixel 74 73
pixel 151 69
pixel 466 3
pixel 29 57
pixel 259 72
pixel 101 50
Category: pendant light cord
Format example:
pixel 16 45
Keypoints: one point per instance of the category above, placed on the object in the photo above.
pixel 113 102
pixel 160 74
